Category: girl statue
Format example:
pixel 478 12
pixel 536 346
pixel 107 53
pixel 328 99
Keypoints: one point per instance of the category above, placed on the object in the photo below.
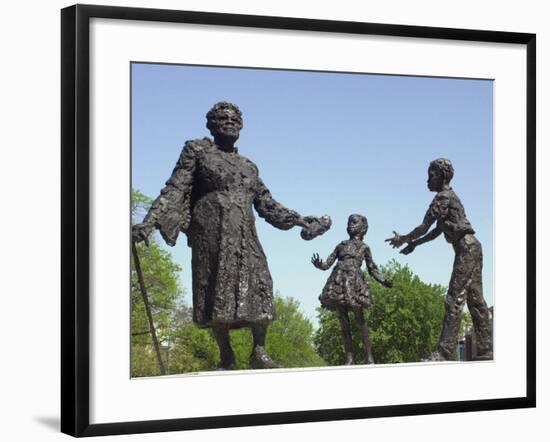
pixel 347 288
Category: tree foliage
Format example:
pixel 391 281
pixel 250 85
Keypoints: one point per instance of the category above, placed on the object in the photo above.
pixel 290 337
pixel 160 274
pixel 404 322
pixel 466 324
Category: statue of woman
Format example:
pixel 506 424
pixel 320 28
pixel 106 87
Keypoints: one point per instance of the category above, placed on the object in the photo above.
pixel 347 288
pixel 465 286
pixel 210 197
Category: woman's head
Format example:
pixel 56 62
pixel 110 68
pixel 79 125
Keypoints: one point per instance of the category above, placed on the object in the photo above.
pixel 224 120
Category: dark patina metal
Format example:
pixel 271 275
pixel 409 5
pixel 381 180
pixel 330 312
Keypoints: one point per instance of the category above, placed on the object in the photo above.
pixel 447 211
pixel 347 289
pixel 210 197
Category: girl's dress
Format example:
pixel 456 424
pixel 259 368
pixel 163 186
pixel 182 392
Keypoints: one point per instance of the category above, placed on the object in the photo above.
pixel 347 287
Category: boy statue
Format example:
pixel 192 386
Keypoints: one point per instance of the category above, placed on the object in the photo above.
pixel 465 286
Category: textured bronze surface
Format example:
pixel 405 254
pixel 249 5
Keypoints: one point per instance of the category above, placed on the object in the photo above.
pixel 465 286
pixel 210 197
pixel 347 288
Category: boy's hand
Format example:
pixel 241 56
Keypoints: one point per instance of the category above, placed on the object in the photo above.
pixel 397 240
pixel 409 249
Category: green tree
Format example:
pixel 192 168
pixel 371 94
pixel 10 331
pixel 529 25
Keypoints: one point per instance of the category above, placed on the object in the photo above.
pixel 140 205
pixel 404 322
pixel 193 349
pixel 466 323
pixel 160 274
pixel 289 338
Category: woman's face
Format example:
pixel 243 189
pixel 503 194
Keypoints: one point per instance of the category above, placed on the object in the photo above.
pixel 227 123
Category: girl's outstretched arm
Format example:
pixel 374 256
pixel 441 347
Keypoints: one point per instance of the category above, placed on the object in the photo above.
pixel 373 269
pixel 318 262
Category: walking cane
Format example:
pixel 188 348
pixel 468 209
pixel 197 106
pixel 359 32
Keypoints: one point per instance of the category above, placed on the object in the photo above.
pixel 147 307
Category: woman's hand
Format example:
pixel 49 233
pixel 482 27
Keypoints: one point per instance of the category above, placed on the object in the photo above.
pixel 314 226
pixel 141 232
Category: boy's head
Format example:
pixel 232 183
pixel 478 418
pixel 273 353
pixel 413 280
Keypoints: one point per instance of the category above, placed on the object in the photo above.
pixel 440 173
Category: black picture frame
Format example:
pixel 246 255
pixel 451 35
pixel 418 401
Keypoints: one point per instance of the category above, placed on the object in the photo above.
pixel 75 214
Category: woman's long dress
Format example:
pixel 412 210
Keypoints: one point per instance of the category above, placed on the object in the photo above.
pixel 209 197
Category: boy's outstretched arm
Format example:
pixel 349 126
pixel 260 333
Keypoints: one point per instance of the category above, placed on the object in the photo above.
pixel 429 218
pixel 431 235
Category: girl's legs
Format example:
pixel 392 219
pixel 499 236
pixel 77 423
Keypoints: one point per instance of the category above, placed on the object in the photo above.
pixel 346 335
pixel 362 324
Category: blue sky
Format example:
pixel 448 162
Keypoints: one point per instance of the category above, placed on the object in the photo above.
pixel 329 143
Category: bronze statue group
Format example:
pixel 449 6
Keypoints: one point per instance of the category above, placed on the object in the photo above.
pixel 210 197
